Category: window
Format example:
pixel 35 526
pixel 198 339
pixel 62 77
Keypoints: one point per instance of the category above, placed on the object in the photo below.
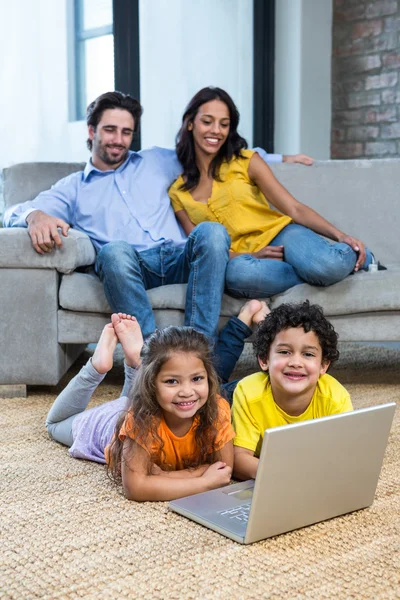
pixel 92 53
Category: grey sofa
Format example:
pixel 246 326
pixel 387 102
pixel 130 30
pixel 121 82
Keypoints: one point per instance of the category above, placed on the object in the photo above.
pixel 50 310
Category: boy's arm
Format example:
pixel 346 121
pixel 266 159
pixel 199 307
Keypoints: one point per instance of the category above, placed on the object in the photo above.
pixel 247 433
pixel 245 464
pixel 141 486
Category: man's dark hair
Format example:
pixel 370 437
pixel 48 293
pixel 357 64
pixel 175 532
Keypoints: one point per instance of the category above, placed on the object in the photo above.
pixel 308 316
pixel 108 100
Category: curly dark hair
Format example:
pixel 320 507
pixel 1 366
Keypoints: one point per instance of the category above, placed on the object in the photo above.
pixel 146 410
pixel 95 110
pixel 308 316
pixel 184 140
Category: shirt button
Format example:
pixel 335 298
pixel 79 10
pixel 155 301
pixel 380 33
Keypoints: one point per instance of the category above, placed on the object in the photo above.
pixel 124 192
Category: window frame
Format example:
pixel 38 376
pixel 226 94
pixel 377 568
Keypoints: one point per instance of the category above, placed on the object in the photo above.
pixel 77 71
pixel 264 74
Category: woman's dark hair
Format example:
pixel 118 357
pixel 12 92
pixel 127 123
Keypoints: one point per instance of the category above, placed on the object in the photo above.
pixel 109 100
pixel 184 140
pixel 146 411
pixel 308 316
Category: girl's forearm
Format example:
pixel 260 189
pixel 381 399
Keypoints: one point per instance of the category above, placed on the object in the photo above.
pixel 183 473
pixel 153 488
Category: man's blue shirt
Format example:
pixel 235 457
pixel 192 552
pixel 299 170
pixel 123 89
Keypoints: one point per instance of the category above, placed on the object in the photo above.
pixel 128 204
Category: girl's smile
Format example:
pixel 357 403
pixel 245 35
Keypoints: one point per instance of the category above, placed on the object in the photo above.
pixel 181 388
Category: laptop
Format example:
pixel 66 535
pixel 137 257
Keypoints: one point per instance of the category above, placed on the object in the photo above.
pixel 308 472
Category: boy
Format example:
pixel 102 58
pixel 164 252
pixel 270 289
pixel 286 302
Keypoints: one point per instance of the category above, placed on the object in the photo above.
pixel 295 345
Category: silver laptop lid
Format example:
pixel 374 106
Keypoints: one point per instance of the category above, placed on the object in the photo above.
pixel 319 469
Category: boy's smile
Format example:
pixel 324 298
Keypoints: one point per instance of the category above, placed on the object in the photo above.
pixel 295 365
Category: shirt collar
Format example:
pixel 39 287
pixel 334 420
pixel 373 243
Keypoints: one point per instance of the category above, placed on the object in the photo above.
pixel 89 168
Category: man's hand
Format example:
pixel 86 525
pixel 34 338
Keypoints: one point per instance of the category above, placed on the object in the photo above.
pixel 43 231
pixel 275 252
pixel 302 159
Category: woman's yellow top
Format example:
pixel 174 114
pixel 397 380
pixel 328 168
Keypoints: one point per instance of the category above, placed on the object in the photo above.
pixel 237 203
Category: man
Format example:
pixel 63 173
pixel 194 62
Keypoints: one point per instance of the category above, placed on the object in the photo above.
pixel 121 202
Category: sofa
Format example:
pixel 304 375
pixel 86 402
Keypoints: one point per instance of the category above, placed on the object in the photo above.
pixel 53 305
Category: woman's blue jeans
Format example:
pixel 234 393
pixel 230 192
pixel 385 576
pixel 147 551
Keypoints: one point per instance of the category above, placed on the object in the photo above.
pixel 308 258
pixel 201 263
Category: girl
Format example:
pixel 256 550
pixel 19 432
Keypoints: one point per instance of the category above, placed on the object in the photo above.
pixel 171 436
pixel 222 181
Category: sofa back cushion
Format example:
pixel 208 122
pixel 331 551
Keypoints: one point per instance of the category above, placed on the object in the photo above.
pixel 25 181
pixel 360 197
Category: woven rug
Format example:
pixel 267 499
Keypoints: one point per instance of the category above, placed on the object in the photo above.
pixel 66 532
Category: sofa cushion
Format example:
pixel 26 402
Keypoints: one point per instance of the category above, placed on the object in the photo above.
pixel 359 293
pixel 84 292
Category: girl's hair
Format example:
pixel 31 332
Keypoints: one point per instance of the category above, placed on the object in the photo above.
pixel 184 140
pixel 308 316
pixel 146 411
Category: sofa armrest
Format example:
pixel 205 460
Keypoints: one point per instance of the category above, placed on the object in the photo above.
pixel 16 251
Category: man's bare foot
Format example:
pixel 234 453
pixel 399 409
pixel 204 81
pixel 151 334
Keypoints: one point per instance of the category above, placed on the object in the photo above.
pixel 102 359
pixel 261 314
pixel 130 336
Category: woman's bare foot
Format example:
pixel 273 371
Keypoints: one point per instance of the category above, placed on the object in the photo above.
pixel 129 334
pixel 102 359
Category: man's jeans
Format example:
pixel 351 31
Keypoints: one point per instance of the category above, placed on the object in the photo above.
pixel 127 274
pixel 308 258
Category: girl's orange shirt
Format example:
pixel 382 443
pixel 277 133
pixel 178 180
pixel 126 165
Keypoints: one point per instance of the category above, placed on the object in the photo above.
pixel 180 449
pixel 237 203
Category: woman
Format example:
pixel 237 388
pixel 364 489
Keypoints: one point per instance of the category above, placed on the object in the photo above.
pixel 222 181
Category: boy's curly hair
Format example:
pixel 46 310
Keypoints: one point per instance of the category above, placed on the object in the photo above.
pixel 308 316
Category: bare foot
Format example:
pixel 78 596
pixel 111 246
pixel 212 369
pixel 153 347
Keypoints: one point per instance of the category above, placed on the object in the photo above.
pixel 261 314
pixel 253 312
pixel 102 359
pixel 130 335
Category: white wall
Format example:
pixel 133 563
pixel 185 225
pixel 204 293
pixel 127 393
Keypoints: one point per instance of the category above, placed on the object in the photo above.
pixel 303 77
pixel 186 45
pixel 34 85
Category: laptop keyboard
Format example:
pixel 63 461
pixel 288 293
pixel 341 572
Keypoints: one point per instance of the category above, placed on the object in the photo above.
pixel 240 513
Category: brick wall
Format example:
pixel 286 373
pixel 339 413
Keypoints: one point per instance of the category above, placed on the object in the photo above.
pixel 365 79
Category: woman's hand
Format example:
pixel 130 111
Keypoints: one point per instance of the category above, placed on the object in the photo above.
pixel 357 246
pixel 274 252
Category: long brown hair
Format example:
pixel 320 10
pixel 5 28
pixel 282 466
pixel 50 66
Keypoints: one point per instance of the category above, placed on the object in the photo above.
pixel 185 149
pixel 146 411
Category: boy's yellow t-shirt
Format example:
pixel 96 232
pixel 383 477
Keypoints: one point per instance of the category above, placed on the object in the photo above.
pixel 254 409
